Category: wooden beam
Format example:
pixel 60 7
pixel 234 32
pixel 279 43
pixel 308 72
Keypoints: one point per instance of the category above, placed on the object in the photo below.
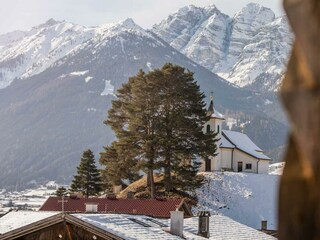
pixel 299 198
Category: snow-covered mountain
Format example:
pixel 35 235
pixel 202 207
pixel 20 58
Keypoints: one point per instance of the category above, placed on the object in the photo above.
pixel 249 49
pixel 24 54
pixel 58 81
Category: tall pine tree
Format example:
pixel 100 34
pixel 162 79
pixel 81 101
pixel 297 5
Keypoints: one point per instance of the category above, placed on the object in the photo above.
pixel 159 117
pixel 88 179
pixel 119 165
pixel 182 117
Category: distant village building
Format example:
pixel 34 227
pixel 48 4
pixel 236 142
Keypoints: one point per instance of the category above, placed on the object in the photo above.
pixel 236 151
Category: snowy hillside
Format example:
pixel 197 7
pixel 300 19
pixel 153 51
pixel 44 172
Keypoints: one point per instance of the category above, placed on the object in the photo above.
pixel 57 82
pixel 24 54
pixel 245 197
pixel 249 49
pixel 276 168
pixel 61 105
pixel 32 52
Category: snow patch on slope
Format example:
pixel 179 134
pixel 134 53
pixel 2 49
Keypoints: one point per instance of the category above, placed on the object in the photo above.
pixel 276 168
pixel 79 73
pixel 109 89
pixel 245 197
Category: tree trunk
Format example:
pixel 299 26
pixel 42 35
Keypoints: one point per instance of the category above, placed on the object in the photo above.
pixel 150 183
pixel 167 176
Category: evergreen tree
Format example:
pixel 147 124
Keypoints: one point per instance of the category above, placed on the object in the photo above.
pixel 88 179
pixel 133 119
pixel 119 165
pixel 159 117
pixel 182 117
pixel 61 191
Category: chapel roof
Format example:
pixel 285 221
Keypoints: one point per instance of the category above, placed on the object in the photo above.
pixel 213 112
pixel 238 140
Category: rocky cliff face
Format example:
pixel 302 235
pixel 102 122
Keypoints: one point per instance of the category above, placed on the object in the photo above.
pixel 249 49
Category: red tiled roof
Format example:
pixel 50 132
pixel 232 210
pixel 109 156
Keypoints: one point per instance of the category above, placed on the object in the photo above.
pixel 148 207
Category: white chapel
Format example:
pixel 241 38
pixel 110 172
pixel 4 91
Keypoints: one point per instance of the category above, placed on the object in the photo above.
pixel 236 151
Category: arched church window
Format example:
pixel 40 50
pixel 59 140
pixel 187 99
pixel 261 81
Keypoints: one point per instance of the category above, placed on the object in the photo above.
pixel 208 128
pixel 218 128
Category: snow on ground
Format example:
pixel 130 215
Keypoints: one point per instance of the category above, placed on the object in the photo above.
pixel 149 65
pixel 245 197
pixel 276 168
pixel 87 79
pixel 79 73
pixel 109 88
pixel 31 199
pixel 231 122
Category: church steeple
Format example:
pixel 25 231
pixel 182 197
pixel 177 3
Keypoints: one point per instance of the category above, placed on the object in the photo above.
pixel 211 108
pixel 212 111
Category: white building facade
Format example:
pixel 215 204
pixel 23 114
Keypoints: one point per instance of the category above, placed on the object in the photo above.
pixel 236 151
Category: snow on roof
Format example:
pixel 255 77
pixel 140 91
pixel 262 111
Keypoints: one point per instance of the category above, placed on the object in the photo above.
pixel 221 227
pixel 225 143
pixel 140 227
pixel 224 228
pixel 213 112
pixel 15 220
pixel 217 114
pixel 244 143
pixel 122 226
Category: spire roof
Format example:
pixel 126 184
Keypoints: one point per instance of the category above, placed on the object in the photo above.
pixel 212 112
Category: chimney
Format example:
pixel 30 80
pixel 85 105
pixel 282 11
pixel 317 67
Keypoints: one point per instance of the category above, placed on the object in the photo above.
pixel 91 207
pixel 111 196
pixel 203 229
pixel 264 225
pixel 176 223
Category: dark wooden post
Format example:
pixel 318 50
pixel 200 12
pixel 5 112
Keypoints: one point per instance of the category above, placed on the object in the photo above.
pixel 299 198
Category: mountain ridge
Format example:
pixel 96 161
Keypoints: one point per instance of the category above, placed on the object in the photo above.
pixel 49 118
pixel 249 49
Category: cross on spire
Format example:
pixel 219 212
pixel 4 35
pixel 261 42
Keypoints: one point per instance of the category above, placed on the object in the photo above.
pixel 211 108
pixel 211 95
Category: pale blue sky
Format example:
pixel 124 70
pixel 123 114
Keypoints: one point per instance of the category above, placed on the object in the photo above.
pixel 23 14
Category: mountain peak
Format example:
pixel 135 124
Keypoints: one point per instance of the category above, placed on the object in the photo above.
pixel 211 7
pixel 51 21
pixel 128 24
pixel 255 10
pixel 247 48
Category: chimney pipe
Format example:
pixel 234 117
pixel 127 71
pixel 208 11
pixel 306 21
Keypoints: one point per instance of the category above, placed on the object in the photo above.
pixel 176 223
pixel 203 229
pixel 264 225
